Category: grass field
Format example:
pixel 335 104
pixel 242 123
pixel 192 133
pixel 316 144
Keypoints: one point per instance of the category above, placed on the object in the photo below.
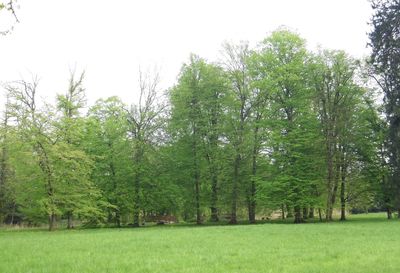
pixel 365 243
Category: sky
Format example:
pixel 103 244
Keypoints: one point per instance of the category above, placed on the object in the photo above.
pixel 111 40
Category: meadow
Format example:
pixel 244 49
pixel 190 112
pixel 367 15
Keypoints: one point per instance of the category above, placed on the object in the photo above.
pixel 364 243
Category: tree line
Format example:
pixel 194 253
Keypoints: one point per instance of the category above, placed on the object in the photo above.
pixel 275 129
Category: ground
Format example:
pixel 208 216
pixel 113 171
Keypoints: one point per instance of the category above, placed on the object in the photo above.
pixel 365 243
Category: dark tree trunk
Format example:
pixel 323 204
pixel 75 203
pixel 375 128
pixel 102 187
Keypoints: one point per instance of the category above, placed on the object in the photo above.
pixel 136 207
pixel 305 213
pixel 214 187
pixel 118 218
pixel 398 213
pixel 333 197
pixel 389 212
pixel 138 156
pixel 342 200
pixel 311 213
pixel 252 195
pixel 343 172
pixel 214 198
pixel 52 221
pixel 297 215
pixel 196 170
pixel 283 212
pixel 330 178
pixel 212 159
pixel 235 187
pixel 69 220
pixel 197 189
pixel 252 203
pixel 13 213
pixel 320 214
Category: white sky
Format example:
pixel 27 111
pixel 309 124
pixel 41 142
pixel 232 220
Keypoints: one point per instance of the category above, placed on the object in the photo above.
pixel 111 39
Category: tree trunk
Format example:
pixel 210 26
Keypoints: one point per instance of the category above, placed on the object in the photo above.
pixel 283 212
pixel 196 174
pixel 330 179
pixel 118 218
pixel 342 200
pixel 13 214
pixel 212 159
pixel 305 213
pixel 136 207
pixel 214 198
pixel 235 187
pixel 297 215
pixel 311 213
pixel 214 189
pixel 389 212
pixel 333 195
pixel 52 221
pixel 252 197
pixel 343 170
pixel 252 203
pixel 138 156
pixel 69 220
pixel 320 214
pixel 197 189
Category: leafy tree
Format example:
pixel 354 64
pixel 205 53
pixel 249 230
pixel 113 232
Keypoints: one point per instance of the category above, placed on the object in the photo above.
pixel 105 141
pixel 238 121
pixel 197 117
pixel 283 72
pixel 385 58
pixel 145 122
pixel 74 166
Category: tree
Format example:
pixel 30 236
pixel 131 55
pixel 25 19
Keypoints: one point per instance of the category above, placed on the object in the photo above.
pixel 80 196
pixel 35 126
pixel 62 185
pixel 385 58
pixel 145 122
pixel 106 142
pixel 282 64
pixel 239 115
pixel 337 94
pixel 197 117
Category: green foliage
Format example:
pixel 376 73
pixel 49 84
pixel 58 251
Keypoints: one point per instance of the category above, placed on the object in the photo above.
pixel 274 128
pixel 385 44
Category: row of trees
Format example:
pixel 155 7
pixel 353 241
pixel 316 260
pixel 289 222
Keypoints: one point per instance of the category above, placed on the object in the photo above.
pixel 272 129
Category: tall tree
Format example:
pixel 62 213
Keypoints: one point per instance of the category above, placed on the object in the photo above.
pixel 105 141
pixel 145 121
pixel 283 73
pixel 239 116
pixel 385 44
pixel 197 117
pixel 333 79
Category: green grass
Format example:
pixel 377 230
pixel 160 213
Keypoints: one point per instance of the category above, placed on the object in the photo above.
pixel 366 243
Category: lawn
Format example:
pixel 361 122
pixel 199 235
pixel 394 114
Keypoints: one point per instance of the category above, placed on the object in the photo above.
pixel 365 243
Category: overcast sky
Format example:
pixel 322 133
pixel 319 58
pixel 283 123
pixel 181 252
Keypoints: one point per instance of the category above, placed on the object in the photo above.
pixel 110 40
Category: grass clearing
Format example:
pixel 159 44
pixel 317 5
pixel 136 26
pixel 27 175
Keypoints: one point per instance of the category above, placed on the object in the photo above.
pixel 365 243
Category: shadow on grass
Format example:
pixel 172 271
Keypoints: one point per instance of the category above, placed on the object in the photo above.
pixel 358 218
